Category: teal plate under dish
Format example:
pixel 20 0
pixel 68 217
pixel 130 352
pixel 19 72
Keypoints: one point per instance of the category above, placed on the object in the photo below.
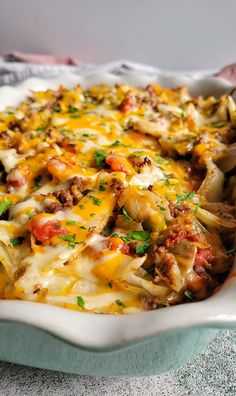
pixel 23 344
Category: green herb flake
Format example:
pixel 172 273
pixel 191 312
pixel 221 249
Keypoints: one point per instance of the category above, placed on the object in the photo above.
pixel 92 214
pixel 83 228
pixel 40 129
pixel 160 160
pixel 17 241
pixel 189 295
pixel 102 185
pixel 70 239
pixel 167 182
pixel 96 201
pixel 71 222
pixel 80 301
pixel 29 214
pixel 37 180
pixel 124 212
pixel 117 143
pixel 231 251
pixel 100 156
pixel 138 235
pixel 73 109
pixel 4 205
pixel 185 196
pixel 190 196
pixel 182 113
pixel 81 206
pixel 142 249
pixel 120 303
pixel 161 207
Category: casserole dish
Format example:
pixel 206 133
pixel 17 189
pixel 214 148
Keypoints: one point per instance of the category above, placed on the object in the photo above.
pixel 141 344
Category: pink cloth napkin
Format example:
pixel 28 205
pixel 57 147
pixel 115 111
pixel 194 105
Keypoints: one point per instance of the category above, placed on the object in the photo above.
pixel 227 73
pixel 41 59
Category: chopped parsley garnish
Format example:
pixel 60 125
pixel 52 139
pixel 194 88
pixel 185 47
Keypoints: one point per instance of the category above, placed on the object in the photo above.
pixel 100 156
pixel 166 181
pixel 182 113
pixel 29 214
pixel 73 109
pixel 81 206
pixel 70 239
pixel 102 185
pixel 138 236
pixel 92 214
pixel 143 236
pixel 37 180
pixel 185 196
pixel 40 129
pixel 124 212
pixel 231 251
pixel 4 205
pixel 161 207
pixel 17 241
pixel 120 303
pixel 142 248
pixel 80 301
pixel 117 143
pixel 189 295
pixel 190 196
pixel 95 200
pixel 71 222
pixel 83 228
pixel 57 109
pixel 160 160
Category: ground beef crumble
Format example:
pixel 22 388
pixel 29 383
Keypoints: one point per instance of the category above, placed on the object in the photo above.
pixel 70 197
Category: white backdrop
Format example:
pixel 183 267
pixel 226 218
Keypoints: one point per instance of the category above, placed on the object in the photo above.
pixel 171 34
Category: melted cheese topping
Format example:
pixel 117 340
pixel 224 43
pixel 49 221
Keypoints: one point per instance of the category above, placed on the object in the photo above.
pixel 99 197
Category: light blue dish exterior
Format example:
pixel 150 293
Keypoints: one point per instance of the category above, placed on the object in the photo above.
pixel 174 335
pixel 27 345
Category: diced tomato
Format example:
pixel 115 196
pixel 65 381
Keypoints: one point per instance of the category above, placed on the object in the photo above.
pixel 119 163
pixel 203 256
pixel 116 243
pixel 44 231
pixel 129 103
pixel 177 232
pixel 15 178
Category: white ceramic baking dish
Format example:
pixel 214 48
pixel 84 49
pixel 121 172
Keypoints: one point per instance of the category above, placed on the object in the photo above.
pixel 139 344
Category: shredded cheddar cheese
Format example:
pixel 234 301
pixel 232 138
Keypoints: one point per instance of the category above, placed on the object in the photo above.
pixel 115 199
